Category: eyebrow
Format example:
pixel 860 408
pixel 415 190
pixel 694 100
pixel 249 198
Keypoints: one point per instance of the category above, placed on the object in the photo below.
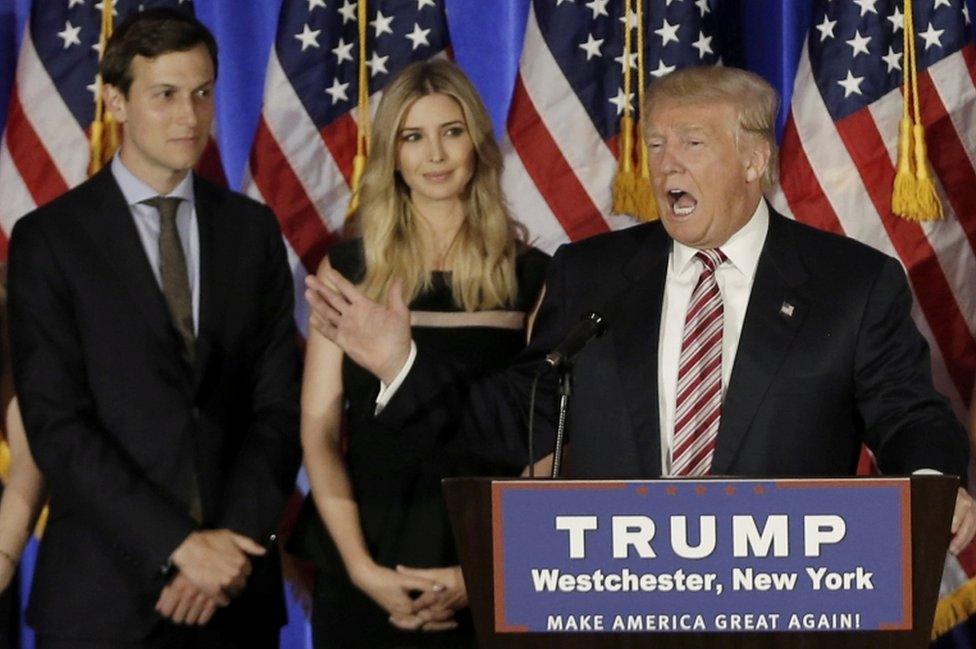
pixel 419 128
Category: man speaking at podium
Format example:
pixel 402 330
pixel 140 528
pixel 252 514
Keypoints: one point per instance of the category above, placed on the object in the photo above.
pixel 739 342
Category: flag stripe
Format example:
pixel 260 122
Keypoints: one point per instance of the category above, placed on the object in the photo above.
pixel 28 153
pixel 282 189
pixel 952 165
pixel 555 178
pixel 932 290
pixel 56 126
pixel 801 187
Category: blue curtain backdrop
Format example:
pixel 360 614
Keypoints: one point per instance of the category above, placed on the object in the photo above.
pixel 765 36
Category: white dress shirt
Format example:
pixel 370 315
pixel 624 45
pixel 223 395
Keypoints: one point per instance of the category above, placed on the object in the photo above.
pixel 734 278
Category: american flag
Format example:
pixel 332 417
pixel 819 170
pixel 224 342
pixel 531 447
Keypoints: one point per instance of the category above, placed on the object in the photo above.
pixel 45 150
pixel 839 157
pixel 302 157
pixel 564 120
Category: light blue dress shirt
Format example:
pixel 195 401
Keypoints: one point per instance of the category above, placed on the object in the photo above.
pixel 146 219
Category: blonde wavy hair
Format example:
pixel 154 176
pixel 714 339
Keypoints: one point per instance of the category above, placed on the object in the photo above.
pixel 484 252
pixel 755 101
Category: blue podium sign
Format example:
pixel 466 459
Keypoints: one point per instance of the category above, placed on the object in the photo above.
pixel 702 556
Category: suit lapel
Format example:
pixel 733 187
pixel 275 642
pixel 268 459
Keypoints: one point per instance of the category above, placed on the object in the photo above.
pixel 109 223
pixel 218 241
pixel 635 318
pixel 775 313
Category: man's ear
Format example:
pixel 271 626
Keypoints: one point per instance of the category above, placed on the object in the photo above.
pixel 757 160
pixel 115 102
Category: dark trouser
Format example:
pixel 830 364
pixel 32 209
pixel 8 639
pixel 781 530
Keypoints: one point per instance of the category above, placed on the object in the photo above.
pixel 174 637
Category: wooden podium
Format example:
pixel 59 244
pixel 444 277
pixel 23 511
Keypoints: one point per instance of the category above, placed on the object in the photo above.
pixel 469 502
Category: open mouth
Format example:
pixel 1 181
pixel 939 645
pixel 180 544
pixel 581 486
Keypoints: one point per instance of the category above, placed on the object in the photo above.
pixel 682 203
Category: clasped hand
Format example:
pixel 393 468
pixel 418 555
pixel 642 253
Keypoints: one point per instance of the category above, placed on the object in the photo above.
pixel 441 595
pixel 213 567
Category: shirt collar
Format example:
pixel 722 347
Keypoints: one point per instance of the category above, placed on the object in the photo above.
pixel 136 191
pixel 742 249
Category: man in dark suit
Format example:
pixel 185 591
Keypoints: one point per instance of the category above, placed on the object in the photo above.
pixel 740 342
pixel 155 359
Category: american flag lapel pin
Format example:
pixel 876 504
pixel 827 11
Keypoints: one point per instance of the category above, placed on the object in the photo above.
pixel 786 310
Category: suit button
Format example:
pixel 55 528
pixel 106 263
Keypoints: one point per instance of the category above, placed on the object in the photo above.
pixel 272 538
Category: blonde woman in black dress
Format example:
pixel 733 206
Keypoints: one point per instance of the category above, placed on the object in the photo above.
pixel 434 231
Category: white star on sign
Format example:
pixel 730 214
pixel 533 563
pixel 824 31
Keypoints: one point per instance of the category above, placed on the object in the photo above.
pixel 866 6
pixel 668 32
pixel 382 24
pixel 72 3
pixel 826 28
pixel 312 4
pixel 703 45
pixel 309 37
pixel 592 47
pixel 425 3
pixel 897 20
pixel 965 12
pixel 348 11
pixel 932 36
pixel 630 18
pixel 851 85
pixel 939 3
pixel 598 7
pixel 70 34
pixel 621 100
pixel 418 37
pixel 343 51
pixel 702 6
pixel 559 2
pixel 662 69
pixel 859 44
pixel 94 86
pixel 377 64
pixel 337 91
pixel 893 59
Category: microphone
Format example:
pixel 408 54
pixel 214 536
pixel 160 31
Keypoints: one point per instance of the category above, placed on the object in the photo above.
pixel 591 325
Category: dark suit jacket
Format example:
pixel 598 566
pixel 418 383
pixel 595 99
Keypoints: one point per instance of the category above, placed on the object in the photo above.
pixel 848 366
pixel 118 422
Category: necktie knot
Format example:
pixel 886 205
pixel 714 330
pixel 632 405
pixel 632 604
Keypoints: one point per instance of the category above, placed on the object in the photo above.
pixel 712 258
pixel 166 205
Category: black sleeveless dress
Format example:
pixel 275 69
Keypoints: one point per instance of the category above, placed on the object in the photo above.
pixel 397 488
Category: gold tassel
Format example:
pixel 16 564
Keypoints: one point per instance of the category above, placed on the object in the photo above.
pixel 928 207
pixel 625 181
pixel 104 131
pixel 903 195
pixel 955 608
pixel 643 191
pixel 362 123
pixel 914 196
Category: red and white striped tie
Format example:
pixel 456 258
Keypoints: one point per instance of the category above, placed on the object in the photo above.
pixel 698 407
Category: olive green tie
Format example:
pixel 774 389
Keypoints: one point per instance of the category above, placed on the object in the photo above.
pixel 176 290
pixel 172 272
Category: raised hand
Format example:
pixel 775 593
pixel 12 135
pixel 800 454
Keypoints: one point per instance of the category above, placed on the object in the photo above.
pixel 374 335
